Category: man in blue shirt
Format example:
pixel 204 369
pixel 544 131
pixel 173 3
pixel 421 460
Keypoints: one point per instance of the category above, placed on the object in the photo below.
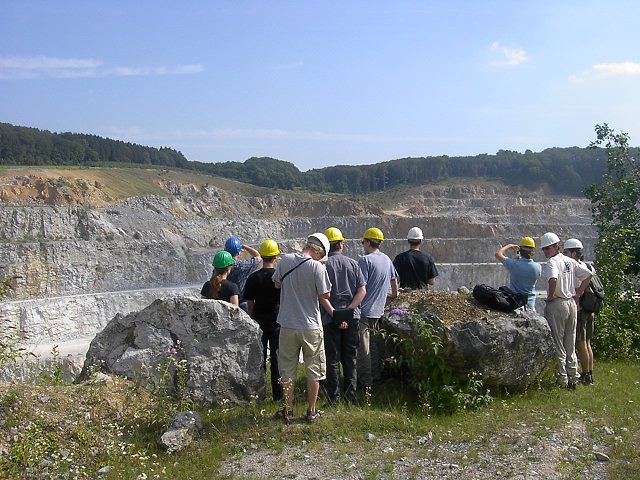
pixel 381 279
pixel 523 271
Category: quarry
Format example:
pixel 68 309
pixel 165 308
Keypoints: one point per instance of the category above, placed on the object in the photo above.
pixel 79 252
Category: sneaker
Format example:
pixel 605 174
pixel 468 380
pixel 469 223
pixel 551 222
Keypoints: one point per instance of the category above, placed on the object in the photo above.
pixel 285 414
pixel 590 378
pixel 571 385
pixel 312 416
pixel 584 378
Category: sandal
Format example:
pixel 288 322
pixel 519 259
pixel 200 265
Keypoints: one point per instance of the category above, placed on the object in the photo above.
pixel 312 416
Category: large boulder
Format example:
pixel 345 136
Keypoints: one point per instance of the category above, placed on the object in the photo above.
pixel 215 344
pixel 509 350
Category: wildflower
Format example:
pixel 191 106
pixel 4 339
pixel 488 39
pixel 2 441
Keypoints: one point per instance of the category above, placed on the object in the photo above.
pixel 398 312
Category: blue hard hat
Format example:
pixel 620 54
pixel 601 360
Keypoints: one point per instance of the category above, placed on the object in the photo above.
pixel 233 246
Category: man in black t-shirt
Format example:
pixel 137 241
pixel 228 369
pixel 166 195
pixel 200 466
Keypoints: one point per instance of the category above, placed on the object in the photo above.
pixel 263 301
pixel 415 269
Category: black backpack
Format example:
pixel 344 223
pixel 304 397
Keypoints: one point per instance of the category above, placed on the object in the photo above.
pixel 593 297
pixel 503 298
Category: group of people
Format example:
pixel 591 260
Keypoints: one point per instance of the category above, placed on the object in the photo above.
pixel 319 302
pixel 325 305
pixel 567 278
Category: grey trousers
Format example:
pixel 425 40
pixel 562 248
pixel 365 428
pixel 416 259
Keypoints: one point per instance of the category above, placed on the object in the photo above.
pixel 561 315
pixel 367 364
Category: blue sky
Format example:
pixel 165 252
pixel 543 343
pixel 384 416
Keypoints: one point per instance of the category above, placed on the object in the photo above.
pixel 320 83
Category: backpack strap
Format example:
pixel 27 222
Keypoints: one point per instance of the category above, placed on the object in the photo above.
pixel 288 272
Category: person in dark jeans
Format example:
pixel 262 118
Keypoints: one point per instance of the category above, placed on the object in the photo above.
pixel 341 338
pixel 263 301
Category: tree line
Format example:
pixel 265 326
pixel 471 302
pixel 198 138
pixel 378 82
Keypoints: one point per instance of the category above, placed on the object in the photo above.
pixel 564 170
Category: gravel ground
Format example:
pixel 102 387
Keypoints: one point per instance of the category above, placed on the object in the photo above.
pixel 567 453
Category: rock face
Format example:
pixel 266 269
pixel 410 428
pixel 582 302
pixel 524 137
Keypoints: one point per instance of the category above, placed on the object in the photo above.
pixel 510 350
pixel 80 256
pixel 216 343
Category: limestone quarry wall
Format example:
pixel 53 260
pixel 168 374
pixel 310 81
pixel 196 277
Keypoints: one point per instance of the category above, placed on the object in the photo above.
pixel 77 266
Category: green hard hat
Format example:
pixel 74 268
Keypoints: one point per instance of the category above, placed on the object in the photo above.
pixel 222 259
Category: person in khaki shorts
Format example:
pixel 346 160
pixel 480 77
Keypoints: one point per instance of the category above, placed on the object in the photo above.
pixel 304 285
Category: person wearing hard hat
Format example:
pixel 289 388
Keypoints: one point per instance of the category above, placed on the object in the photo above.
pixel 381 277
pixel 219 287
pixel 263 301
pixel 563 274
pixel 341 334
pixel 304 285
pixel 241 268
pixel 523 271
pixel 415 268
pixel 584 330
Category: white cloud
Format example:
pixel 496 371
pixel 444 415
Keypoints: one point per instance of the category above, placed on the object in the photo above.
pixel 52 67
pixel 607 70
pixel 510 56
pixel 617 69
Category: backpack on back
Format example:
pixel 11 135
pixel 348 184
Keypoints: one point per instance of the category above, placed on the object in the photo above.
pixel 503 298
pixel 593 297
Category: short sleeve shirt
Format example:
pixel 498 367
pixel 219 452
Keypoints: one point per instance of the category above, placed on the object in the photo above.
pixel 523 274
pixel 346 278
pixel 299 304
pixel 227 290
pixel 378 271
pixel 266 297
pixel 569 274
pixel 241 271
pixel 415 269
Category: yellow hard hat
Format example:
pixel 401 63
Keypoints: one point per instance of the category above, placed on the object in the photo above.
pixel 269 248
pixel 334 235
pixel 373 234
pixel 527 242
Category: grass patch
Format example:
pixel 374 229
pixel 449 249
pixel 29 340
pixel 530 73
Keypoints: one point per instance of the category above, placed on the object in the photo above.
pixel 83 428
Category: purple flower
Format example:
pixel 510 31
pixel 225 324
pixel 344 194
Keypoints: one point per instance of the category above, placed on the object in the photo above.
pixel 398 312
pixel 173 350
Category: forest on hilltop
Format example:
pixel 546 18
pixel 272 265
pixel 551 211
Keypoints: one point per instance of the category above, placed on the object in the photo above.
pixel 564 170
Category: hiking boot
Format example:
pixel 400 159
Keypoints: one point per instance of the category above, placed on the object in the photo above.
pixel 584 378
pixel 286 415
pixel 571 385
pixel 590 378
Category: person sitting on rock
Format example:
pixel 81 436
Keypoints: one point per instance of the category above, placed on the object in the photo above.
pixel 241 268
pixel 416 269
pixel 263 302
pixel 218 287
pixel 523 271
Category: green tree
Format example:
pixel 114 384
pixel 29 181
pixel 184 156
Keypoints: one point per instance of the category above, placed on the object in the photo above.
pixel 615 204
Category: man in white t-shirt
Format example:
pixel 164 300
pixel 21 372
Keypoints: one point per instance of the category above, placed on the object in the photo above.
pixel 563 274
pixel 305 285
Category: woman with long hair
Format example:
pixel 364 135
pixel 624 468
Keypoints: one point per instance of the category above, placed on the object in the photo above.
pixel 218 287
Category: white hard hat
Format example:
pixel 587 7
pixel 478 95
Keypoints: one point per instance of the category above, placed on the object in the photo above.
pixel 548 238
pixel 323 240
pixel 415 234
pixel 573 243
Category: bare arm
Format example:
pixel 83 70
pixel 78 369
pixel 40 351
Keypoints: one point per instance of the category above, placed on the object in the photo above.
pixel 431 281
pixel 251 251
pixel 583 286
pixel 551 289
pixel 325 303
pixel 357 299
pixel 234 300
pixel 394 288
pixel 500 254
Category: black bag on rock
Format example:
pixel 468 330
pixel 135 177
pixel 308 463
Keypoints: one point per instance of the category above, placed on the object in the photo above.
pixel 503 298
